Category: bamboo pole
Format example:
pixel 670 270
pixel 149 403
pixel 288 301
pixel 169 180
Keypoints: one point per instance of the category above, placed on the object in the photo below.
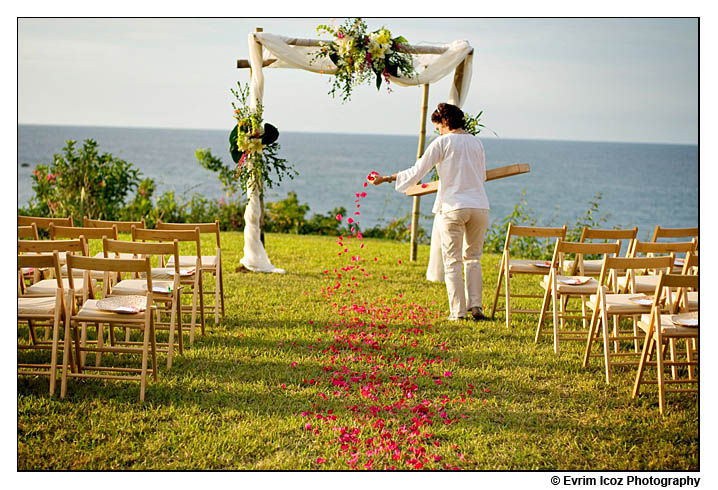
pixel 419 154
pixel 261 190
pixel 316 42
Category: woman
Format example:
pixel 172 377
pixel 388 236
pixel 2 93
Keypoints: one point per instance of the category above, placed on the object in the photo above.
pixel 462 202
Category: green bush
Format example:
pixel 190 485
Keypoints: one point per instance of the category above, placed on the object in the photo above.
pixel 397 229
pixel 82 183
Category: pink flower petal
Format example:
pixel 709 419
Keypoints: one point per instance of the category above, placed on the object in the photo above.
pixel 339 217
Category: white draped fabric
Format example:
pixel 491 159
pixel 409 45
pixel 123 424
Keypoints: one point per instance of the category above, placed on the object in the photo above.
pixel 297 53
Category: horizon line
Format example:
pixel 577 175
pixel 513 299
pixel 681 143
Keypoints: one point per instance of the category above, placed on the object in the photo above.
pixel 488 136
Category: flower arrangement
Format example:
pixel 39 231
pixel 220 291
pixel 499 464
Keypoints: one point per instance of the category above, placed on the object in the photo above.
pixel 359 56
pixel 253 145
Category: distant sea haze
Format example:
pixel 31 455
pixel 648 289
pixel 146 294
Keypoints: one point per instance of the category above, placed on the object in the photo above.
pixel 641 184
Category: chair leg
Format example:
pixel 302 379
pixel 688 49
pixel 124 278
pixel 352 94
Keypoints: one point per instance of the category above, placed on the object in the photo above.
pixel 65 355
pixel 216 297
pixel 556 301
pixel 642 364
pixel 201 304
pixel 171 342
pixel 498 287
pixel 674 368
pixel 542 314
pixel 153 349
pixel 606 346
pixel 83 341
pixel 689 357
pixel 508 297
pixel 178 305
pixel 221 282
pixel 592 331
pixel 100 343
pixel 145 355
pixel 661 382
pixel 194 314
pixel 55 340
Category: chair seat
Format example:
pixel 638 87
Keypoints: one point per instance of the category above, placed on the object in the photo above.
pixel 90 311
pixel 692 299
pixel 619 304
pixel 589 287
pixel 644 284
pixel 590 267
pixel 36 305
pixel 668 328
pixel 47 287
pixel 168 273
pixel 139 287
pixel 528 266
pixel 208 261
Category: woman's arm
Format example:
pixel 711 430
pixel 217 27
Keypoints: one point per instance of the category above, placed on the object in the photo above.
pixel 410 176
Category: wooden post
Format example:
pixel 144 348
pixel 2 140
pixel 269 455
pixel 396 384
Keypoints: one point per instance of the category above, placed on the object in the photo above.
pixel 261 187
pixel 419 154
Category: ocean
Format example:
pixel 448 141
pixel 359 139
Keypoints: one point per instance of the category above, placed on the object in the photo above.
pixel 640 184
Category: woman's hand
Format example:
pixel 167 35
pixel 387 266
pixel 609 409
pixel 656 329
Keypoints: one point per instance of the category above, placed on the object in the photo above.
pixel 380 179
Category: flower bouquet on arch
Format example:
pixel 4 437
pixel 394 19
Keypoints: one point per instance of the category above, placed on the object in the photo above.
pixel 253 145
pixel 360 56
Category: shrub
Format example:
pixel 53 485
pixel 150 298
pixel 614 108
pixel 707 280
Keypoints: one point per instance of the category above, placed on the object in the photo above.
pixel 83 182
pixel 397 229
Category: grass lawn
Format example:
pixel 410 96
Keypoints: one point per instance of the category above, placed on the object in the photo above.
pixel 293 378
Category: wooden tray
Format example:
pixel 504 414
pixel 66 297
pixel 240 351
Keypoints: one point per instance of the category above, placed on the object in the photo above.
pixel 491 174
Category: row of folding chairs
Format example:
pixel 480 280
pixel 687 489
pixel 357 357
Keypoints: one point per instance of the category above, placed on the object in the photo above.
pixel 69 296
pixel 655 286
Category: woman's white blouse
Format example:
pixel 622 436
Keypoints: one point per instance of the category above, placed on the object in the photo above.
pixel 460 161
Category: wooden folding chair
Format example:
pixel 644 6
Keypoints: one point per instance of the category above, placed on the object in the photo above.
pixel 592 267
pixel 607 303
pixel 210 263
pixel 646 282
pixel 510 266
pixel 27 231
pixel 43 223
pixel 165 293
pixel 686 299
pixel 122 226
pixel 687 234
pixel 665 329
pixel 30 274
pixel 91 312
pixel 61 232
pixel 559 288
pixel 37 310
pixel 189 276
pixel 47 287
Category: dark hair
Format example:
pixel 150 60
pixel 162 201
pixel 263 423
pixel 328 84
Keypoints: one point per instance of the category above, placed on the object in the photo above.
pixel 450 115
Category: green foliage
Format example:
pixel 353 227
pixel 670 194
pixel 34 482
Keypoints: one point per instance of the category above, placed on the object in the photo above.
pixel 397 229
pixel 83 183
pixel 256 163
pixel 289 216
pixel 225 173
pixel 534 247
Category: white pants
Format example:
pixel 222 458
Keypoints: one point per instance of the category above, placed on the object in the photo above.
pixel 465 227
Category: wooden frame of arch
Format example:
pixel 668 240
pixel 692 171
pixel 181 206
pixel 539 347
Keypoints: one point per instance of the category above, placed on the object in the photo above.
pixel 461 82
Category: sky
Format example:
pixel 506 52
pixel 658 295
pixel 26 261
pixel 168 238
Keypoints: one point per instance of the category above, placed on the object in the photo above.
pixel 608 79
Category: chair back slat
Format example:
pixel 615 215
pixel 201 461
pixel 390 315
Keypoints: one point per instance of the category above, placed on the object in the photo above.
pixel 107 265
pixel 625 263
pixel 677 281
pixel 536 231
pixel 165 235
pixel 28 231
pixel 43 223
pixel 40 246
pixel 140 248
pixel 588 248
pixel 207 228
pixel 662 247
pixel 122 226
pixel 35 260
pixel 660 232
pixel 78 231
pixel 601 234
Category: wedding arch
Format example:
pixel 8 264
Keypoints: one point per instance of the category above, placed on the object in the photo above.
pixel 431 64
